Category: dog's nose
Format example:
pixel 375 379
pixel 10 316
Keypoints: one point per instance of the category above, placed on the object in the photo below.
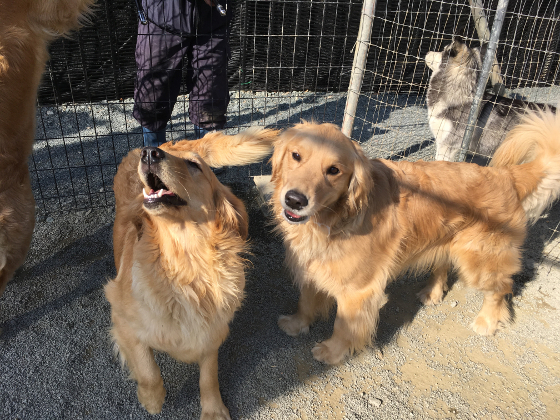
pixel 295 200
pixel 152 155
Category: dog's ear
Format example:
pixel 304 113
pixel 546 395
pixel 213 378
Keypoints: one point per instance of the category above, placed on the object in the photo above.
pixel 278 154
pixel 361 182
pixel 231 213
pixel 482 51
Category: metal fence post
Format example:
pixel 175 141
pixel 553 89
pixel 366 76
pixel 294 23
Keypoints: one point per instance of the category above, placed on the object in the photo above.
pixel 483 80
pixel 358 66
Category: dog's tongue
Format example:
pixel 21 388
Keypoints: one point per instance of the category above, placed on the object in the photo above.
pixel 159 193
pixel 295 216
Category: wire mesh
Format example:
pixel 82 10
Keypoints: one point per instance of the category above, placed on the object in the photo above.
pixel 290 60
pixel 393 118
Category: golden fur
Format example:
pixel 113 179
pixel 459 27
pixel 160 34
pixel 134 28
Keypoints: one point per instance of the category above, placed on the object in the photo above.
pixel 26 28
pixel 353 224
pixel 180 270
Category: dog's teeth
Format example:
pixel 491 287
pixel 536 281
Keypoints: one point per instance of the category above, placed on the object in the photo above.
pixel 160 193
pixel 144 192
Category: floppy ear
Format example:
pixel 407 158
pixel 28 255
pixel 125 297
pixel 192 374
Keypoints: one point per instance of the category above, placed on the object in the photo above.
pixel 231 213
pixel 361 182
pixel 278 154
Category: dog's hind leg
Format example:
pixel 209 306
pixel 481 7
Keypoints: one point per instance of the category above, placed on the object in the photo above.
pixel 432 294
pixel 490 273
pixel 494 314
pixel 356 322
pixel 312 303
pixel 143 368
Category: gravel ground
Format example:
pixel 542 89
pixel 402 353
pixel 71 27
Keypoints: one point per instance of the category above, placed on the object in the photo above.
pixel 56 359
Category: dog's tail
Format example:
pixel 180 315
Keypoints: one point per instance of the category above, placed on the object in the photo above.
pixel 532 153
pixel 218 149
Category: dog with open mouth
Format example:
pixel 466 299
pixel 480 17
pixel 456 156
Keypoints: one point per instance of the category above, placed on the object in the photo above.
pixel 351 224
pixel 179 239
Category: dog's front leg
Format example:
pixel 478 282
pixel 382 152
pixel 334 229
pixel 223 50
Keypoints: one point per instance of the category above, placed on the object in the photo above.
pixel 312 303
pixel 210 399
pixel 143 368
pixel 355 324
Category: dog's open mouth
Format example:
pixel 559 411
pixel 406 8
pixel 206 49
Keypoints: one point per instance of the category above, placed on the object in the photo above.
pixel 294 218
pixel 159 193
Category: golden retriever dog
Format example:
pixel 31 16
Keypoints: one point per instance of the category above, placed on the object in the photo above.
pixel 179 238
pixel 351 225
pixel 26 29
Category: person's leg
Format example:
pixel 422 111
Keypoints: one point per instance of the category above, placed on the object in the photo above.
pixel 159 57
pixel 209 96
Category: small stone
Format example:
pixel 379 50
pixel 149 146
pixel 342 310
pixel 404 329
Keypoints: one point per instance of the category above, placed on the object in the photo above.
pixel 50 219
pixel 454 303
pixel 376 402
pixel 49 112
pixel 379 354
pixel 101 189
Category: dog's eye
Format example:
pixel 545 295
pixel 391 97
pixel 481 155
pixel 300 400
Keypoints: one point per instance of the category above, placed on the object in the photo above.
pixel 333 170
pixel 296 156
pixel 193 164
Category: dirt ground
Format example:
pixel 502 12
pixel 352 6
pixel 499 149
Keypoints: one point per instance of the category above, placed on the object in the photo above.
pixel 56 360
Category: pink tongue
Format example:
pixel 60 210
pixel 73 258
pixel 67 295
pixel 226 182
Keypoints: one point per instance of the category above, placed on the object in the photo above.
pixel 165 192
pixel 292 214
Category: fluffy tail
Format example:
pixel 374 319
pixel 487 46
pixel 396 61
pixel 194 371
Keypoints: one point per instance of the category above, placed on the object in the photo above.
pixel 534 146
pixel 218 149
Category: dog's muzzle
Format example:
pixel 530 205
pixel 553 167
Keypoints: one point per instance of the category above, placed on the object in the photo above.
pixel 296 202
pixel 158 193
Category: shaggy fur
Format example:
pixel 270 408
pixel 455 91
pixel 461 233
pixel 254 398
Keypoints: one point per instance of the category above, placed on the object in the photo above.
pixel 180 270
pixel 351 224
pixel 450 94
pixel 26 28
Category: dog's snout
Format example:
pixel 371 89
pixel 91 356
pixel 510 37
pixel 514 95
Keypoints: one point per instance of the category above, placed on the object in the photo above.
pixel 295 200
pixel 152 155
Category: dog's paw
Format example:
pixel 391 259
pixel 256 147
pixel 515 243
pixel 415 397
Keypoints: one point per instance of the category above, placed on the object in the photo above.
pixel 218 412
pixel 484 326
pixel 430 295
pixel 151 398
pixel 293 325
pixel 330 352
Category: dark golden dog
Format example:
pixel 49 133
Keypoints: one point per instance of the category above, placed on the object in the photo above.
pixel 26 29
pixel 179 236
pixel 351 224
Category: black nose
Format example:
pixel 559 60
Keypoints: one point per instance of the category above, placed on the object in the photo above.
pixel 152 155
pixel 295 200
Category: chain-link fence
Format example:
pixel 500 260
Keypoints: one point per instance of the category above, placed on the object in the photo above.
pixel 290 60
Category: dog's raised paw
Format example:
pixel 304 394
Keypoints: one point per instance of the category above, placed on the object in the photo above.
pixel 292 325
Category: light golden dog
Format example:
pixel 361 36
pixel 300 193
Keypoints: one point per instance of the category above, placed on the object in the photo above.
pixel 179 236
pixel 351 224
pixel 26 29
